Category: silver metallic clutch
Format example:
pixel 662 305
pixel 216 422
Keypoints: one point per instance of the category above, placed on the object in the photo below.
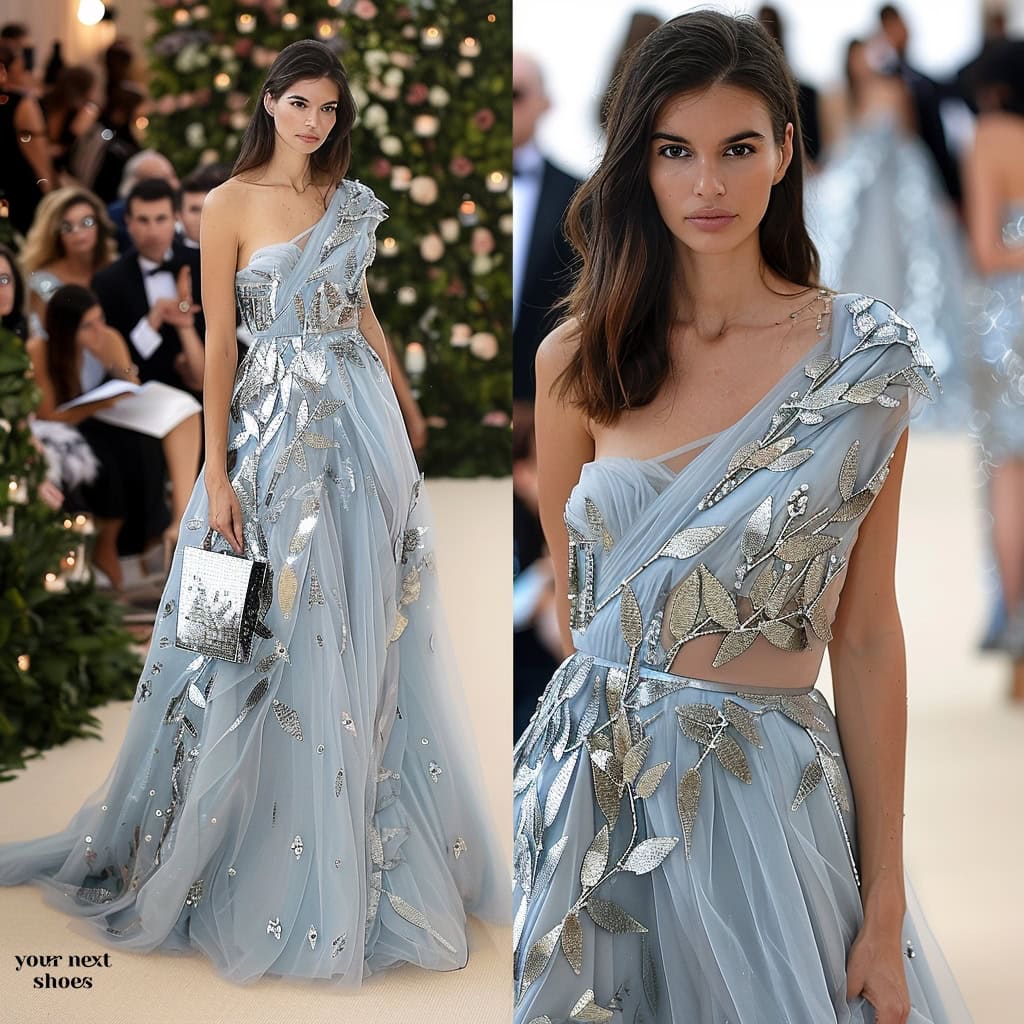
pixel 222 600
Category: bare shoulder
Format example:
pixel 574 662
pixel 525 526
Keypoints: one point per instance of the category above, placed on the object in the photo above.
pixel 35 348
pixel 996 129
pixel 226 202
pixel 557 349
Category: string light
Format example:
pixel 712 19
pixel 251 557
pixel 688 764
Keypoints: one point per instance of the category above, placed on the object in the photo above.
pixel 24 662
pixel 221 80
pixel 181 16
pixel 325 29
pixel 142 123
pixel 492 18
pixel 90 12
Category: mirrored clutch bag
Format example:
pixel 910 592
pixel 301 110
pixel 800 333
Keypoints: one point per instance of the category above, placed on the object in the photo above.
pixel 222 601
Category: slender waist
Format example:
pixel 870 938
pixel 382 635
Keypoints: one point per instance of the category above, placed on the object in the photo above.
pixel 655 684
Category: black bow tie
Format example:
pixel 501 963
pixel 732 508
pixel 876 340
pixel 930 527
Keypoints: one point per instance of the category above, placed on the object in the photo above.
pixel 168 267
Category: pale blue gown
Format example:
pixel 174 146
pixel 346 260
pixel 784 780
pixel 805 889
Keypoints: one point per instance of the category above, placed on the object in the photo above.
pixel 316 812
pixel 685 849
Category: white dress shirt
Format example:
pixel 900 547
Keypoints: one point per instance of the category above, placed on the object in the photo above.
pixel 158 286
pixel 528 164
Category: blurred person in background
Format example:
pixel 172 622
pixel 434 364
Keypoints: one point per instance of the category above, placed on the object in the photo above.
pixel 926 95
pixel 641 25
pixel 152 293
pixel 124 97
pixel 70 241
pixel 26 171
pixel 21 73
pixel 881 220
pixel 541 256
pixel 145 164
pixel 12 294
pixel 994 208
pixel 535 641
pixel 195 187
pixel 807 95
pixel 72 109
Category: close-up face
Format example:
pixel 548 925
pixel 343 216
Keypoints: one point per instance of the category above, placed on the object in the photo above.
pixel 90 326
pixel 712 162
pixel 151 226
pixel 191 212
pixel 529 101
pixel 6 287
pixel 305 113
pixel 78 228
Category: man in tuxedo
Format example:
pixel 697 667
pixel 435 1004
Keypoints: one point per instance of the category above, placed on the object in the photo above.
pixel 542 258
pixel 927 97
pixel 152 293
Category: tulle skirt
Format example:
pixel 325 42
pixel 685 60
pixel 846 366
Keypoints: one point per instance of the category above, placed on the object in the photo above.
pixel 695 863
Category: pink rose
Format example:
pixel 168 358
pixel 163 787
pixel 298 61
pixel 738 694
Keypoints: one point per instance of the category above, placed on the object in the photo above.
pixel 243 47
pixel 380 167
pixel 461 166
pixel 484 119
pixel 365 9
pixel 416 94
pixel 456 288
pixel 495 418
pixel 482 242
pixel 403 13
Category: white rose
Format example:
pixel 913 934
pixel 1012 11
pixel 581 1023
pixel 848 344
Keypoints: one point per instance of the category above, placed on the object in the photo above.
pixel 239 119
pixel 449 229
pixel 195 135
pixel 431 248
pixel 423 190
pixel 375 59
pixel 461 335
pixel 464 69
pixel 391 145
pixel 394 76
pixel 505 223
pixel 388 92
pixel 401 178
pixel 359 95
pixel 375 116
pixel 425 125
pixel 402 60
pixel 406 295
pixel 482 264
pixel 483 345
pixel 438 96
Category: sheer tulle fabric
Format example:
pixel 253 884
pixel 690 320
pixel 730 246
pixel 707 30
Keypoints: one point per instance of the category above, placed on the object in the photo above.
pixel 639 891
pixel 318 811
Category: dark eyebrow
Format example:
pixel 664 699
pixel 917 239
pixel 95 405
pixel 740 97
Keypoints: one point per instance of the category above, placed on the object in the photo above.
pixel 738 137
pixel 296 96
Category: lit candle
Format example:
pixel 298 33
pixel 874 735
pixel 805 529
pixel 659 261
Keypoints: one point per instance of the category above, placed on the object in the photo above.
pixel 431 37
pixel 245 23
pixel 469 47
pixel 497 181
pixel 415 358
pixel 467 213
pixel 325 29
pixel 24 662
pixel 84 524
pixel 181 16
pixel 17 491
pixel 289 19
pixel 389 247
pixel 7 524
pixel 54 584
pixel 221 81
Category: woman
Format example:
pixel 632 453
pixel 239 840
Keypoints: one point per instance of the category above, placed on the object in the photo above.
pixel 882 222
pixel 72 108
pixel 705 582
pixel 315 812
pixel 12 294
pixel 994 207
pixel 26 171
pixel 127 494
pixel 71 238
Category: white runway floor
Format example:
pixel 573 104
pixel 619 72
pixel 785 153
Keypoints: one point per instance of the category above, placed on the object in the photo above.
pixel 964 825
pixel 474 518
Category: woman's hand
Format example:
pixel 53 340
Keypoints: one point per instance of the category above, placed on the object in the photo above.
pixel 875 970
pixel 224 511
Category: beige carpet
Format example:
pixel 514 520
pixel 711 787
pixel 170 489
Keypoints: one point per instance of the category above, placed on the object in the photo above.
pixel 474 529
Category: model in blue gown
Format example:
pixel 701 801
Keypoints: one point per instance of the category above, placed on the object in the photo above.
pixel 316 812
pixel 685 851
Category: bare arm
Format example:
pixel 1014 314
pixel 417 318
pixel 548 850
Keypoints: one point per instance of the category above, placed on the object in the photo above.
pixel 371 330
pixel 28 120
pixel 47 408
pixel 868 660
pixel 563 445
pixel 218 242
pixel 983 204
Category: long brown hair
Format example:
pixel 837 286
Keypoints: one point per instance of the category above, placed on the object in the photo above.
pixel 305 59
pixel 623 295
pixel 64 313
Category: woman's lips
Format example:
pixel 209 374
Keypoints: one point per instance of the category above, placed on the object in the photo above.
pixel 310 138
pixel 711 220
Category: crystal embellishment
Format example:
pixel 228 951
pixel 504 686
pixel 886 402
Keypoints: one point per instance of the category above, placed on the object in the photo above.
pixel 274 927
pixel 435 771
pixel 297 846
pixel 459 847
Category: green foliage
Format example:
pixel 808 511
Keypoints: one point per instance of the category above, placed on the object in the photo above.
pixel 431 80
pixel 78 656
